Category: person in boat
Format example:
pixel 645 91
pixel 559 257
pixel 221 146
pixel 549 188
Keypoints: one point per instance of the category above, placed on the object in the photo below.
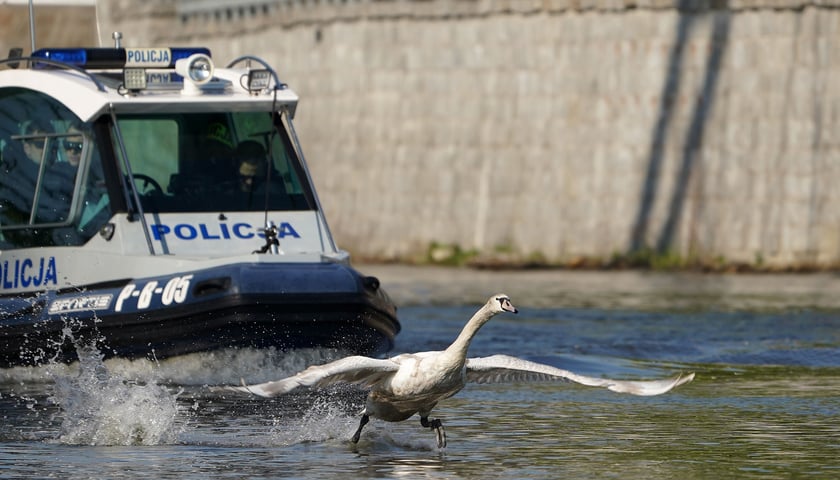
pixel 23 163
pixel 58 183
pixel 218 152
pixel 95 204
pixel 72 146
pixel 56 159
pixel 35 153
pixel 250 172
pixel 251 168
pixel 212 166
pixel 247 191
pixel 22 158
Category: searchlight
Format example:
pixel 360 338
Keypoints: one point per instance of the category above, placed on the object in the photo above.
pixel 197 68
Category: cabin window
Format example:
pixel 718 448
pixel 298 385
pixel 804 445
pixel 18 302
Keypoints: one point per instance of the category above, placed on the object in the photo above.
pixel 51 183
pixel 212 162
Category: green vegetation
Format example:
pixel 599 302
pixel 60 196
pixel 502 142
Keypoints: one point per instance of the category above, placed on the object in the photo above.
pixel 448 254
pixel 507 256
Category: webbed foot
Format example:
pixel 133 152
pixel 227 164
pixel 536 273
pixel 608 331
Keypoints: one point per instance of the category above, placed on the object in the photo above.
pixel 365 419
pixel 436 425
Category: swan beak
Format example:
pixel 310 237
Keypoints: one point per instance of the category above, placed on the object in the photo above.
pixel 504 302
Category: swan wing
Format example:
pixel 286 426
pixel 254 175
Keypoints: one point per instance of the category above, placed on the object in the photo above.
pixel 364 371
pixel 504 368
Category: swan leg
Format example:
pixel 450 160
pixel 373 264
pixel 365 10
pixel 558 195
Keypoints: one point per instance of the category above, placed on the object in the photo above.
pixel 436 425
pixel 365 419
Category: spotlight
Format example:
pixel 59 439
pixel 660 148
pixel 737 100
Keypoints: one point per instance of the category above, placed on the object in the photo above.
pixel 197 69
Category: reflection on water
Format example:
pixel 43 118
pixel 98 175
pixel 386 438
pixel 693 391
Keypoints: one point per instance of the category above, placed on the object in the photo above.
pixel 764 403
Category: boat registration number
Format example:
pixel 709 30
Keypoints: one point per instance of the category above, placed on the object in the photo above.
pixel 173 291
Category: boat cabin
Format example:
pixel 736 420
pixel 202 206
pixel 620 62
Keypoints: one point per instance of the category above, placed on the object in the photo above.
pixel 145 190
pixel 63 176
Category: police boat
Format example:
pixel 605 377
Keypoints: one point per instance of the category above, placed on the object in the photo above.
pixel 158 205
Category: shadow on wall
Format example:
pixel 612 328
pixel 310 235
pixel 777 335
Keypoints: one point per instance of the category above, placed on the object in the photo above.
pixel 694 138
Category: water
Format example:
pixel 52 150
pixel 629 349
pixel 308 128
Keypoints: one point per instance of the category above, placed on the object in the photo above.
pixel 765 403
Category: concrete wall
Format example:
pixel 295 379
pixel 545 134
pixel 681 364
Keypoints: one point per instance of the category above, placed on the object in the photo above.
pixel 564 128
pixel 52 25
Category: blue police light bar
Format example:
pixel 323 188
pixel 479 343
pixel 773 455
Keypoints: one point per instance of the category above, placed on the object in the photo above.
pixel 101 58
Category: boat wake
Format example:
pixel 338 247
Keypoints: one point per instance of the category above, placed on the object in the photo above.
pixel 219 367
pixel 149 402
pixel 99 407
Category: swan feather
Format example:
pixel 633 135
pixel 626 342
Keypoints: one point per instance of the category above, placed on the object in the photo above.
pixel 504 368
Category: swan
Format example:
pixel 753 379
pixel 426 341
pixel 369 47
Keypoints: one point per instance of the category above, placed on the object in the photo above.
pixel 411 383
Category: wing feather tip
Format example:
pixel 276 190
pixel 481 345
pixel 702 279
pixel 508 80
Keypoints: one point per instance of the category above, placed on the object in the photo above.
pixel 251 389
pixel 651 387
pixel 676 381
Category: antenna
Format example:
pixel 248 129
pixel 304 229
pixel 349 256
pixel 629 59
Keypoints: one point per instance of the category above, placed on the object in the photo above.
pixel 32 25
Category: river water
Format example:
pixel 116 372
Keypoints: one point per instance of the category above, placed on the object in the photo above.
pixel 765 402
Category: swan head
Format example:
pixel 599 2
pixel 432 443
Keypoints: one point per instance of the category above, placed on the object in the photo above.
pixel 501 303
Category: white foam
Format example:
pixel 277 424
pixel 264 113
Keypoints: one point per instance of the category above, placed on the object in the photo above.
pixel 135 402
pixel 322 422
pixel 102 408
pixel 218 367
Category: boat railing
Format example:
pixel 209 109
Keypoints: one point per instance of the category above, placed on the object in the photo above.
pixel 13 63
pixel 278 85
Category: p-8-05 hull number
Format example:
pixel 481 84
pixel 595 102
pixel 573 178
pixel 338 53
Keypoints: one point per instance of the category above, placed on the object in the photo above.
pixel 175 291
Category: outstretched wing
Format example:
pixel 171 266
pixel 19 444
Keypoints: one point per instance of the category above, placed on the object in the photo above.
pixel 504 368
pixel 358 370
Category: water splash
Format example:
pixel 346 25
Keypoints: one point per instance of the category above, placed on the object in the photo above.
pixel 218 367
pixel 227 366
pixel 122 401
pixel 323 421
pixel 101 408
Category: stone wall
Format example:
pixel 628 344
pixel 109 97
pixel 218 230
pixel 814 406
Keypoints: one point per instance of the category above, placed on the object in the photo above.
pixel 564 129
pixel 54 25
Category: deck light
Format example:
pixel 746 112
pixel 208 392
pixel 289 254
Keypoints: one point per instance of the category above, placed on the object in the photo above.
pixel 134 78
pixel 258 80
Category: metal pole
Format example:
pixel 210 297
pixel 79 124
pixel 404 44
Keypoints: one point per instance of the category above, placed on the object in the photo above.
pixel 321 213
pixel 32 25
pixel 129 182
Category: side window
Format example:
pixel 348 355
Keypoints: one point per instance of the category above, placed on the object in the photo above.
pixel 48 167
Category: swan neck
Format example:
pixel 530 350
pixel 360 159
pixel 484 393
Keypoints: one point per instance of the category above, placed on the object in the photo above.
pixel 462 343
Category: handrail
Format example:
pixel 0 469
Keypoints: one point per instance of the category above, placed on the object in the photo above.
pixel 277 83
pixel 56 63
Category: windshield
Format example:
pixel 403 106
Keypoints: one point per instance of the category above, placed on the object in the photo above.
pixel 212 162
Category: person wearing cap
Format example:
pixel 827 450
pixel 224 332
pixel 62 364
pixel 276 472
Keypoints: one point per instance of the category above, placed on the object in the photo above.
pixel 35 156
pixel 218 152
pixel 251 170
pixel 245 190
pixel 21 169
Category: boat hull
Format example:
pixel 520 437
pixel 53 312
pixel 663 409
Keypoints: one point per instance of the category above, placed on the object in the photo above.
pixel 280 306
